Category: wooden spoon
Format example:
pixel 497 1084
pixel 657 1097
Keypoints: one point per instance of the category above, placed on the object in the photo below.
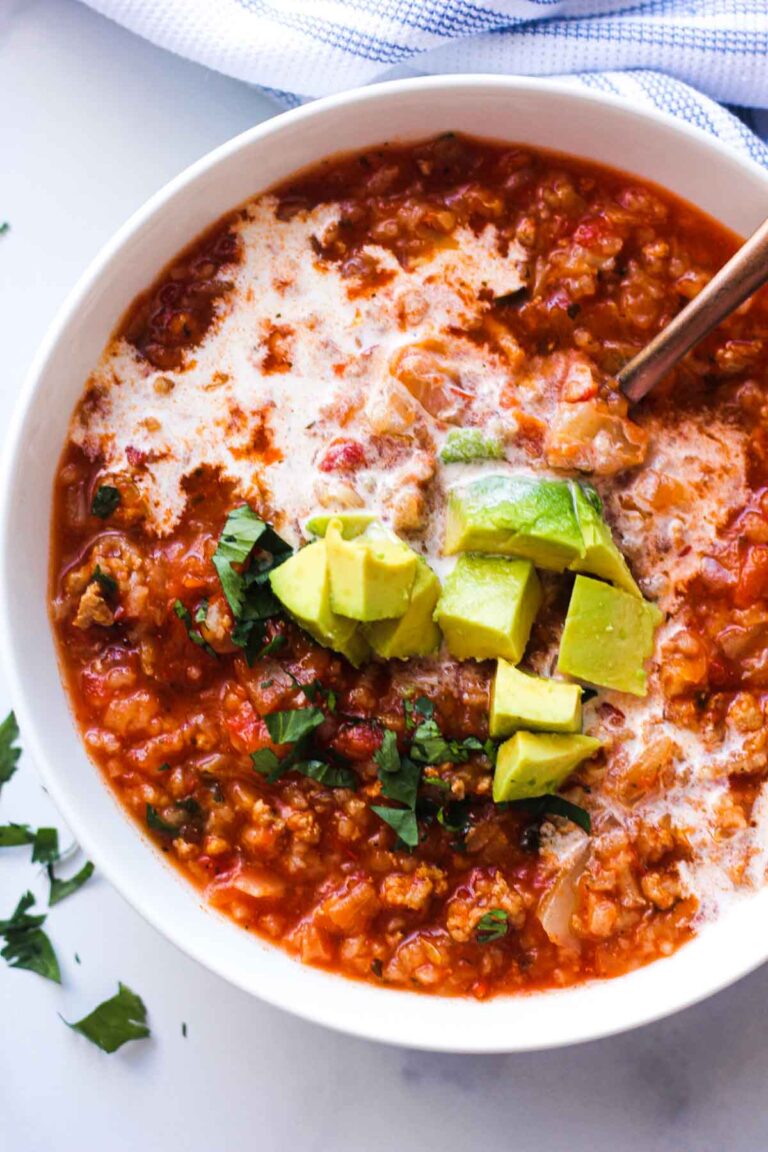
pixel 745 272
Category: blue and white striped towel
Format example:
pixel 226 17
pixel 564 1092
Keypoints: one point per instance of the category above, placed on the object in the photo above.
pixel 687 56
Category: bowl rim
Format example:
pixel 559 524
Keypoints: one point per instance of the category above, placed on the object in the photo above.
pixel 638 1011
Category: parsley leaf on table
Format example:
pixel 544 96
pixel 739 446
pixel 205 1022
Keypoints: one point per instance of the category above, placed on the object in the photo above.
pixel 115 1021
pixel 46 846
pixel 14 835
pixel 26 945
pixel 60 889
pixel 9 750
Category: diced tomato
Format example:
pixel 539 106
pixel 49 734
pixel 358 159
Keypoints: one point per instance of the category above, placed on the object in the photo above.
pixel 357 741
pixel 248 732
pixel 343 456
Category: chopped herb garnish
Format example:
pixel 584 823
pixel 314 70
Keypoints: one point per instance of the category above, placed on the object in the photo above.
pixel 241 532
pixel 77 959
pixel 9 750
pixel 455 816
pixel 248 590
pixel 164 767
pixel 4 227
pixel 551 805
pixel 493 926
pixel 46 846
pixel 105 582
pixel 105 500
pixel 332 776
pixel 15 835
pixel 194 634
pixel 377 968
pixel 201 612
pixel 399 776
pixel 26 945
pixel 266 684
pixel 184 1029
pixel 157 824
pixel 429 746
pixel 292 725
pixel 402 820
pixel 60 889
pixel 114 1022
pixel 267 763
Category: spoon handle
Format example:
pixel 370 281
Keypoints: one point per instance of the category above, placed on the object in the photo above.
pixel 745 272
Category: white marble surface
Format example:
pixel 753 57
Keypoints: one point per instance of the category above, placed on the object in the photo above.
pixel 91 122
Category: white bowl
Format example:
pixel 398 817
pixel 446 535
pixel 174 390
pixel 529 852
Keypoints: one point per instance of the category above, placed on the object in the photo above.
pixel 536 112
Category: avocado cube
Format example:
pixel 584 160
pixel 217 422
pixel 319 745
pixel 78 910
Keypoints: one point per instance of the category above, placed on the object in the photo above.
pixel 415 633
pixel 608 636
pixel 515 516
pixel 487 607
pixel 533 702
pixel 601 556
pixel 537 763
pixel 465 444
pixel 371 575
pixel 303 586
pixel 353 523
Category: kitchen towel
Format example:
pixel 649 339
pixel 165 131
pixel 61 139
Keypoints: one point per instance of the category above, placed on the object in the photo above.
pixel 689 57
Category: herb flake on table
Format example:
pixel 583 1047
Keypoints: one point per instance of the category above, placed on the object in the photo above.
pixel 16 835
pixel 46 846
pixel 115 1021
pixel 60 889
pixel 26 945
pixel 9 749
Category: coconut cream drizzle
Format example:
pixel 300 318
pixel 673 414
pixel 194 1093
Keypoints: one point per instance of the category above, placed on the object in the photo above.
pixel 296 357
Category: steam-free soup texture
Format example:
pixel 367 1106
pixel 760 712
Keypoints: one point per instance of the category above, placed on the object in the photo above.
pixel 317 352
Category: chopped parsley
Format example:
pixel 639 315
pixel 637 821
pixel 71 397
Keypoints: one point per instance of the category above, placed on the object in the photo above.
pixel 429 746
pixel 15 835
pixel 399 778
pixel 4 228
pixel 194 634
pixel 295 726
pixel 106 583
pixel 402 820
pixel 46 846
pixel 247 588
pixel 158 824
pixel 60 889
pixel 292 725
pixel 105 501
pixel 493 926
pixel 114 1022
pixel 26 945
pixel 551 805
pixel 184 1029
pixel 9 750
pixel 416 710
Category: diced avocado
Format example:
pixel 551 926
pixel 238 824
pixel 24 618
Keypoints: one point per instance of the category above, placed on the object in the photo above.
pixel 303 586
pixel 522 701
pixel 487 607
pixel 415 633
pixel 601 556
pixel 371 575
pixel 608 636
pixel 537 763
pixel 465 444
pixel 352 523
pixel 515 516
